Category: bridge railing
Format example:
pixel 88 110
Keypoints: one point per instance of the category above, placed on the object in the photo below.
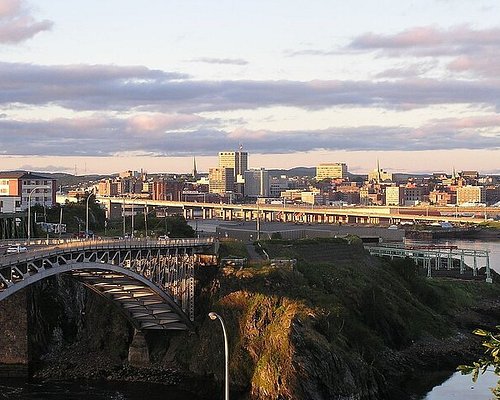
pixel 55 248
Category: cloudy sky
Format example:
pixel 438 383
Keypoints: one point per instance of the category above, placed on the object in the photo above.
pixel 103 86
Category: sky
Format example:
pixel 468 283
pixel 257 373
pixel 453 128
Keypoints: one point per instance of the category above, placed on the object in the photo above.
pixel 104 86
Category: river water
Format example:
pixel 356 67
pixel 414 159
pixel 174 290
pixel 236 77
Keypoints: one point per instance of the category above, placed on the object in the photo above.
pixel 461 387
pixel 82 390
pixel 458 386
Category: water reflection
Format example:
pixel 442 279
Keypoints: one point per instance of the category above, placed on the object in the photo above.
pixel 461 387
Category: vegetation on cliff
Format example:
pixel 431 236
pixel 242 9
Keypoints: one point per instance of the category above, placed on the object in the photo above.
pixel 338 326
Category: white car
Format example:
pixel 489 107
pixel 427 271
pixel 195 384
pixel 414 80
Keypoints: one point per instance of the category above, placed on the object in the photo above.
pixel 16 249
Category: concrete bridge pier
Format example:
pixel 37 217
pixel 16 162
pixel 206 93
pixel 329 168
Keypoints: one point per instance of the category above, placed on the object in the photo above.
pixel 138 353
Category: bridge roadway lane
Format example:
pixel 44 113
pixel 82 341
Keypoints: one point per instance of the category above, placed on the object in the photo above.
pixel 39 247
pixel 387 214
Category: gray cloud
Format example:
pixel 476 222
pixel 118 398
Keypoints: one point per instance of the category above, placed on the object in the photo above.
pixel 311 52
pixel 104 136
pixel 472 51
pixel 426 39
pixel 98 87
pixel 408 71
pixel 16 23
pixel 229 61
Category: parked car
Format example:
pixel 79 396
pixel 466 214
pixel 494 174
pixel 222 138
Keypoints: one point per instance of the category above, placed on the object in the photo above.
pixel 16 249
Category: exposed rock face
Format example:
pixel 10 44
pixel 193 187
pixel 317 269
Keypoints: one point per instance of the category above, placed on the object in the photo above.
pixel 14 354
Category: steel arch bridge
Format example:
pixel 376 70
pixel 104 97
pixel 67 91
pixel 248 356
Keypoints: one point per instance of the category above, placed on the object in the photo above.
pixel 151 281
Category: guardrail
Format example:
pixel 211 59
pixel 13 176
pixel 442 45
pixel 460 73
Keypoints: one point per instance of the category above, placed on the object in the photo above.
pixel 102 244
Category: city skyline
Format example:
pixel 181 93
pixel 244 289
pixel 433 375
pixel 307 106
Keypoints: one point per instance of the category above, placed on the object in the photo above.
pixel 115 86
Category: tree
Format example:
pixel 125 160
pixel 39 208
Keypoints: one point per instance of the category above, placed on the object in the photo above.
pixel 491 358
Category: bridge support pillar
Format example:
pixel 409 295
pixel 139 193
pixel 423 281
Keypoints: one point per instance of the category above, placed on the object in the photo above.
pixel 138 353
pixel 14 348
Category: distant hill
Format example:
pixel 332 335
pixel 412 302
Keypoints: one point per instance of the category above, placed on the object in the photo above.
pixel 64 179
pixel 308 171
pixel 73 180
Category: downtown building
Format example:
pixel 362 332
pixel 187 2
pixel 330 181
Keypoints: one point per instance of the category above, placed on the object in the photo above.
pixel 471 195
pixel 257 183
pixel 237 160
pixel 221 180
pixel 16 188
pixel 331 171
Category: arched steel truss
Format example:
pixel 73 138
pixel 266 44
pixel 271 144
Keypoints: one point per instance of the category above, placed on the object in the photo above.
pixel 151 282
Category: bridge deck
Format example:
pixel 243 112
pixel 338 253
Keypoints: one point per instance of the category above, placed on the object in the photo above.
pixel 152 281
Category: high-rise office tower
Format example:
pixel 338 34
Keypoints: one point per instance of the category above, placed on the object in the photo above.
pixel 237 160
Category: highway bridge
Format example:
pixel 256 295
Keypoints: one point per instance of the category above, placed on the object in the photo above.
pixel 116 206
pixel 150 281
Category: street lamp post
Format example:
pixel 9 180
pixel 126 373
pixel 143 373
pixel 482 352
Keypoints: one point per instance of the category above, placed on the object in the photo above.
pixel 132 227
pixel 146 218
pixel 132 222
pixel 60 221
pixel 123 215
pixel 87 215
pixel 29 209
pixel 214 316
pixel 258 222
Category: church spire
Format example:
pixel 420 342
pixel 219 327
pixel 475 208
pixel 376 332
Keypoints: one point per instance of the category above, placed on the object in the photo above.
pixel 195 172
pixel 379 176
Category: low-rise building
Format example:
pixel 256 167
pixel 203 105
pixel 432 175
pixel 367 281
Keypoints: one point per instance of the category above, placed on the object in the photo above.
pixel 471 194
pixel 312 197
pixel 27 185
pixel 394 196
pixel 10 204
pixel 442 197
